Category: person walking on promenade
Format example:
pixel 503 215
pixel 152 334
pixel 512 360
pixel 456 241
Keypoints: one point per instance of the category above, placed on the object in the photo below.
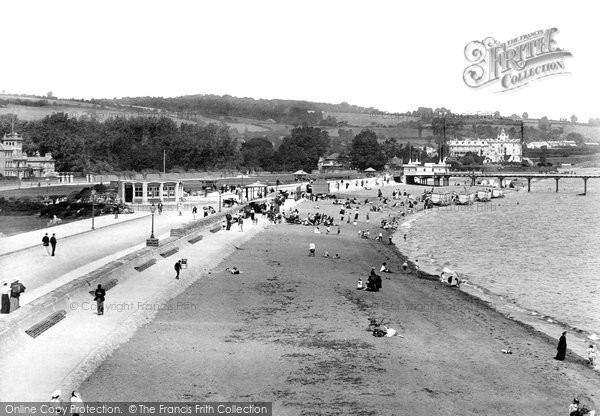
pixel 177 268
pixel 99 296
pixel 228 218
pixel 180 208
pixel 562 347
pixel 16 288
pixel 241 223
pixel 5 298
pixel 194 211
pixel 160 207
pixel 53 243
pixel 46 243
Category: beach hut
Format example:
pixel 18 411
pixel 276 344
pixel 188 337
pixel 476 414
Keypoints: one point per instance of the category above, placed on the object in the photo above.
pixel 255 190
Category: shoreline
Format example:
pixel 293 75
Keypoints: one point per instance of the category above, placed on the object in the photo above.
pixel 291 327
pixel 511 308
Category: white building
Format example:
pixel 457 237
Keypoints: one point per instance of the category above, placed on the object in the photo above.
pixel 500 149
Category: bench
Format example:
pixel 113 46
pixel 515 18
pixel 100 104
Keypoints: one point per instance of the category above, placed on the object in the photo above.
pixel 41 327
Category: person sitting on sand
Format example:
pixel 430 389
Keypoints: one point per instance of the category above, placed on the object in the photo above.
pixel 233 270
pixel 337 256
pixel 404 266
pixel 574 407
pixel 374 281
pixel 384 268
pixel 311 249
pixel 317 231
pixel 326 254
pixel 359 284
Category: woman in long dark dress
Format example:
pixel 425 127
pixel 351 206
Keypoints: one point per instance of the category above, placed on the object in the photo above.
pixel 562 347
pixel 5 298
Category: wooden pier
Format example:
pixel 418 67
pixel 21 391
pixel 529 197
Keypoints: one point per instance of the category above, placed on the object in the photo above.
pixel 529 176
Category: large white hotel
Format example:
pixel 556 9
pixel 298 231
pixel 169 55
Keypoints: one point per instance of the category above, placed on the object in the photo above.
pixel 500 149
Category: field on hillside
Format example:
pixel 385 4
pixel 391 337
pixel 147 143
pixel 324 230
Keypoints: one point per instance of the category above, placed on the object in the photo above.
pixel 366 119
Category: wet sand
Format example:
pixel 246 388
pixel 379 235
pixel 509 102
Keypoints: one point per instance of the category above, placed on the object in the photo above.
pixel 291 329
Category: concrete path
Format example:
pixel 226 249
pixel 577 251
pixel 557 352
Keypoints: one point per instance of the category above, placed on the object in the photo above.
pixel 74 346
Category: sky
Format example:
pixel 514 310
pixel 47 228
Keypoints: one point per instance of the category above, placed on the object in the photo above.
pixel 391 55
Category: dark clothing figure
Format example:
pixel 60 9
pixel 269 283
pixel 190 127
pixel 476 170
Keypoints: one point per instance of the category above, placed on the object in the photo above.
pixel 53 243
pixel 99 296
pixel 228 218
pixel 562 347
pixel 160 208
pixel 16 288
pixel 5 299
pixel 177 268
pixel 46 243
pixel 374 282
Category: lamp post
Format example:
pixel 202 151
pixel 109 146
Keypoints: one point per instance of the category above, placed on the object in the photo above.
pixel 93 201
pixel 152 241
pixel 220 204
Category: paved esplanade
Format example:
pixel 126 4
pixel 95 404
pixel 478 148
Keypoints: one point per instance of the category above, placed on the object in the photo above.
pixel 80 249
pixel 57 358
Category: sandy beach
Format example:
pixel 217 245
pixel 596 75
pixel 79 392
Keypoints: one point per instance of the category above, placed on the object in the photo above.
pixel 291 329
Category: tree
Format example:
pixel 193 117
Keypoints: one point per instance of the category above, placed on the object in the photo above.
pixel 576 137
pixel 303 148
pixel 543 123
pixel 365 151
pixel 573 119
pixel 525 116
pixel 257 153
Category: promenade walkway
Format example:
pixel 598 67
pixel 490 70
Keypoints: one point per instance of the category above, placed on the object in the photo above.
pixel 58 357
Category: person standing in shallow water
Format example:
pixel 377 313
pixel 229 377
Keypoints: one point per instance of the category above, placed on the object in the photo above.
pixel 562 347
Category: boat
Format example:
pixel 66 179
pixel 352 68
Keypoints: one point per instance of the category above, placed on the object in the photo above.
pixel 484 195
pixel 497 193
pixel 465 199
pixel 440 199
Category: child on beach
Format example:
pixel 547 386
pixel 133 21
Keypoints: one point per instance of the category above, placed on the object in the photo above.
pixel 311 249
pixel 592 354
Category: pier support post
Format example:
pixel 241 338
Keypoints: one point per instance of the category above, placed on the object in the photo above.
pixel 473 180
pixel 500 182
pixel 436 181
pixel 528 184
pixel 585 186
pixel 556 179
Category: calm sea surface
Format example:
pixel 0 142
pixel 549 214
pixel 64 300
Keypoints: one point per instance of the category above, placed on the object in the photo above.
pixel 538 250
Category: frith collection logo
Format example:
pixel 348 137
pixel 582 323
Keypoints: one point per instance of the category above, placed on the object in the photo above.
pixel 515 63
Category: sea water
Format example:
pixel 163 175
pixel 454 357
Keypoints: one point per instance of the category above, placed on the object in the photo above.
pixel 538 250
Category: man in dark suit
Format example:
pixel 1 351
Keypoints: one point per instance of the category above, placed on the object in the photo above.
pixel 99 296
pixel 46 243
pixel 53 243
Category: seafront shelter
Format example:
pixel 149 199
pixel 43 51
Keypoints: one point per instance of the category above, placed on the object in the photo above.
pixel 255 190
pixel 147 192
